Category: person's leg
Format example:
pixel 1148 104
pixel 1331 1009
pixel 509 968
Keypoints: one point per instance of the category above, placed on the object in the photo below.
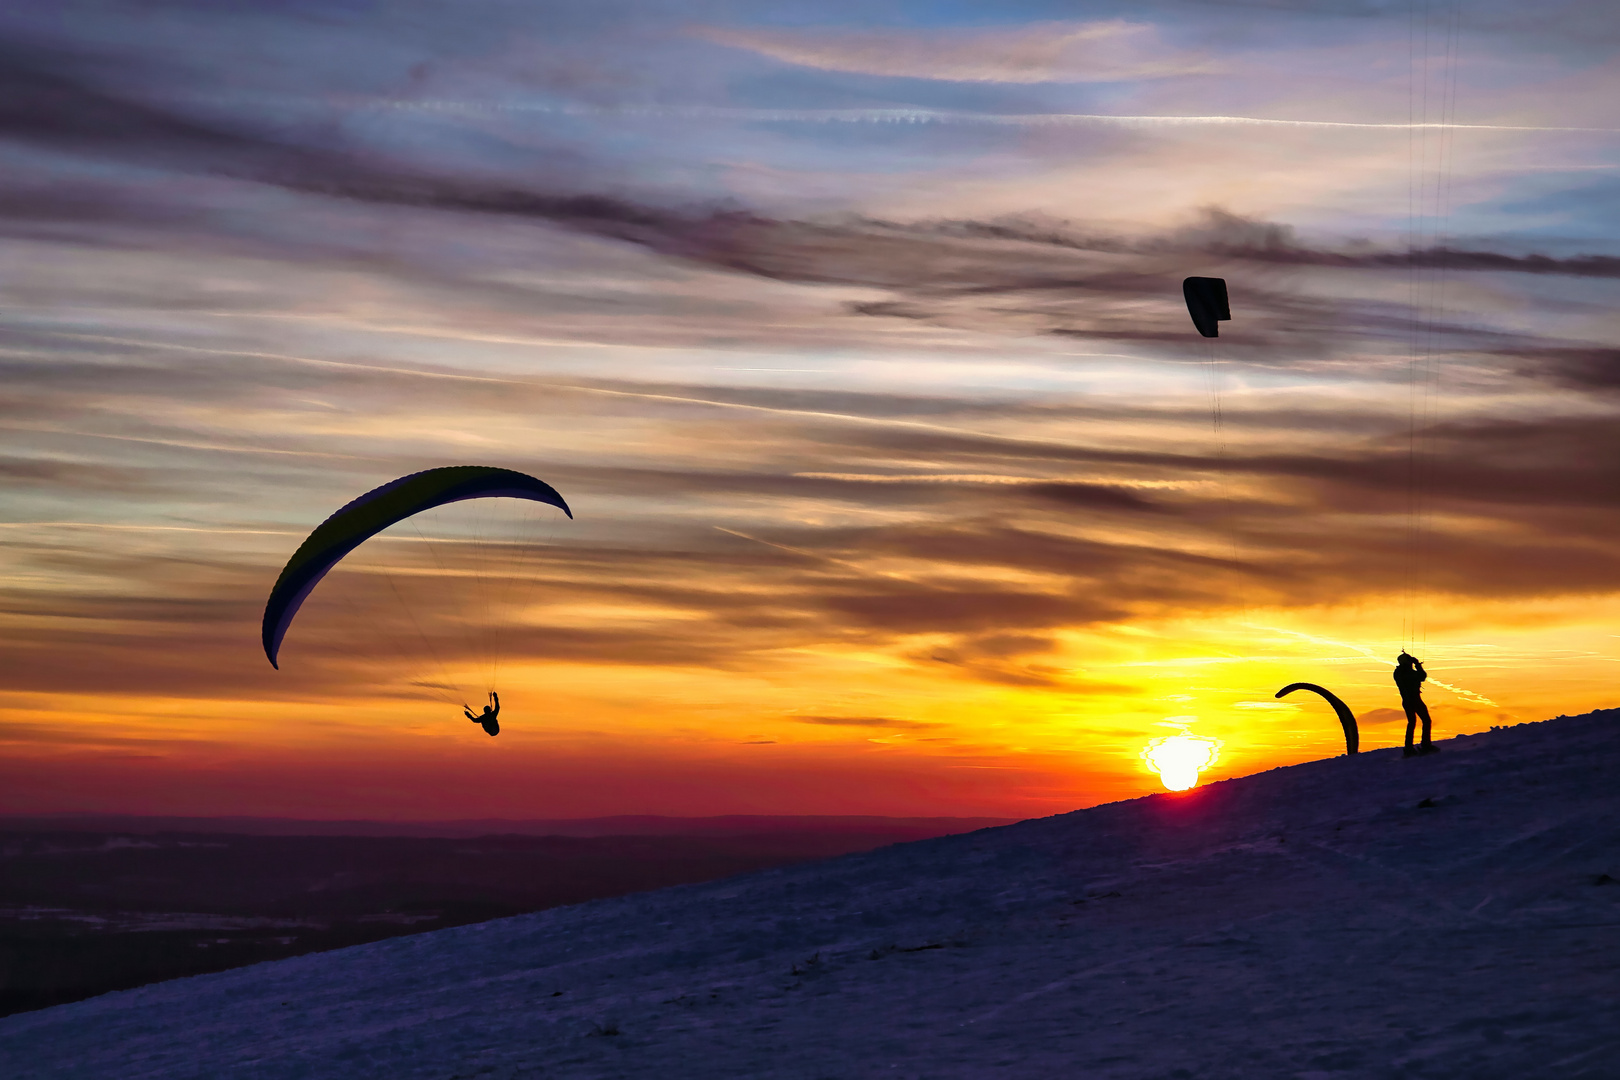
pixel 1411 722
pixel 1423 711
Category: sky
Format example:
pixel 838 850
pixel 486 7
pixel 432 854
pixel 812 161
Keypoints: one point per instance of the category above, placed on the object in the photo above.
pixel 853 336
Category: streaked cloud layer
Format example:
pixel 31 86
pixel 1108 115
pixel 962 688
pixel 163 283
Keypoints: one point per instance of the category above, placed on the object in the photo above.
pixel 1112 50
pixel 902 484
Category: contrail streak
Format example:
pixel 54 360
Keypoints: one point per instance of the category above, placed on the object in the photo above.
pixel 818 556
pixel 1371 655
pixel 850 116
pixel 931 116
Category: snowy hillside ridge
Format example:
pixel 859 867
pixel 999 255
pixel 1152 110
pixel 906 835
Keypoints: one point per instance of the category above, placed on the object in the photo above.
pixel 1368 916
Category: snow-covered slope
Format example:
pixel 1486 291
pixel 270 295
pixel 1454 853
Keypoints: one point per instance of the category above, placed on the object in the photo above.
pixel 1314 921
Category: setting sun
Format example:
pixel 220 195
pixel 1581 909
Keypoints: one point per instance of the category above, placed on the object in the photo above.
pixel 1178 759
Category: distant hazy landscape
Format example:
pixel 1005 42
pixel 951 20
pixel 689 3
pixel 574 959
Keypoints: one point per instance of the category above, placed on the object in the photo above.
pixel 90 904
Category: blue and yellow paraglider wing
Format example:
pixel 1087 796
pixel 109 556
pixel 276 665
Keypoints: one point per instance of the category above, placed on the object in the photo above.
pixel 373 512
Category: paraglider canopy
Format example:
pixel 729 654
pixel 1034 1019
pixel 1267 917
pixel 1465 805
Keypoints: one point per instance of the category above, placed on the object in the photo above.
pixel 1206 303
pixel 1352 734
pixel 373 512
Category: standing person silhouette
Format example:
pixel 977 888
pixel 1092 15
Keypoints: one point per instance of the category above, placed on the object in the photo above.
pixel 493 710
pixel 1409 677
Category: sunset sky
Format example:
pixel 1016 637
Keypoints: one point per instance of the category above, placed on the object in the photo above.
pixel 853 335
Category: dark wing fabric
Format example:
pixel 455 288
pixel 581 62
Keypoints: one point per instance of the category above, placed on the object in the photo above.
pixel 1347 719
pixel 1206 303
pixel 373 512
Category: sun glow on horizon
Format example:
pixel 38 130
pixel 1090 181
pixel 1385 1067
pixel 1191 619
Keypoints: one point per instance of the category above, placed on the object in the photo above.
pixel 1178 759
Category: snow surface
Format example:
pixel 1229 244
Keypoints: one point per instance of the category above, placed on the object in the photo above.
pixel 1309 922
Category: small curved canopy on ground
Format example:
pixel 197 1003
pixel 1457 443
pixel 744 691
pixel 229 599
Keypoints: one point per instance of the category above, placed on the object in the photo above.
pixel 1352 735
pixel 373 512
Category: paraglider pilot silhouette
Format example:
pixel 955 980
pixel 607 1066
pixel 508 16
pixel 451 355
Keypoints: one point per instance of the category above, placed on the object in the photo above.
pixel 488 716
pixel 365 517
pixel 1409 677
